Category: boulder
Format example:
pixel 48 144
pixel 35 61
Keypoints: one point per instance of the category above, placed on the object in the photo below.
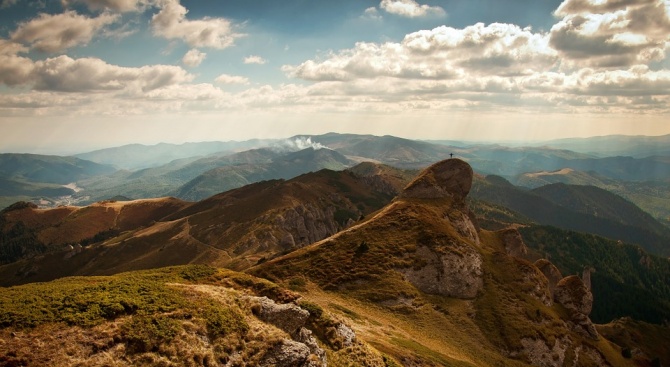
pixel 287 353
pixel 287 317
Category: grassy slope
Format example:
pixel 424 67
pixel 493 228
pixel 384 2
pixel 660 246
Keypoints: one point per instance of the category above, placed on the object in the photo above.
pixel 183 316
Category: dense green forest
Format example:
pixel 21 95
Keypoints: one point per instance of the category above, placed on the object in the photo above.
pixel 626 280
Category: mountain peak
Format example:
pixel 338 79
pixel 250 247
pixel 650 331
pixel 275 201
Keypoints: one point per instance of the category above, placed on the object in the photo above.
pixel 450 178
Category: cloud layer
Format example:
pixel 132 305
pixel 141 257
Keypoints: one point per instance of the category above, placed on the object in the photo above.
pixel 598 57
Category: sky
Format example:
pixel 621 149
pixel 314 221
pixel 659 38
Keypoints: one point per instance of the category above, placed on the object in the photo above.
pixel 78 75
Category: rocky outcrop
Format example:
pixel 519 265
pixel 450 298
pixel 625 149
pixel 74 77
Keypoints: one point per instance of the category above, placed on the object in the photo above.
pixel 306 223
pixel 539 353
pixel 534 282
pixel 457 272
pixel 572 293
pixel 291 319
pixel 287 317
pixel 287 353
pixel 450 267
pixel 449 178
pixel 514 245
pixel 551 272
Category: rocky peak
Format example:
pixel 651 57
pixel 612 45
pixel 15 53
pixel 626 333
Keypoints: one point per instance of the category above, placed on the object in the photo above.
pixel 451 178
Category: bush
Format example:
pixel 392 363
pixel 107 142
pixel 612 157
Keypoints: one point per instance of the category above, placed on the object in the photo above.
pixel 147 333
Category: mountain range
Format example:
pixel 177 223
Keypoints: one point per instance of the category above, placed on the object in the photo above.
pixel 306 257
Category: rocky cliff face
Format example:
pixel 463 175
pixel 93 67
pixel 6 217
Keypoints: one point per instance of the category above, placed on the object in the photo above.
pixel 452 267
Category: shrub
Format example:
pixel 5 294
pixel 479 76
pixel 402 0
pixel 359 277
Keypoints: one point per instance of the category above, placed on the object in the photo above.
pixel 146 333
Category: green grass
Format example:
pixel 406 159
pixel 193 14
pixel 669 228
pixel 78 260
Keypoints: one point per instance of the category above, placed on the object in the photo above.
pixel 88 301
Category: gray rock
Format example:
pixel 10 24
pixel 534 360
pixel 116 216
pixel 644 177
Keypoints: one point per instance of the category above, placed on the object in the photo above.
pixel 572 293
pixel 457 273
pixel 287 353
pixel 287 317
pixel 514 245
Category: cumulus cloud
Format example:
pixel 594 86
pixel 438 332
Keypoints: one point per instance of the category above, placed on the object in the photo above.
pixel 14 69
pixel 231 79
pixel 613 33
pixel 193 58
pixel 65 74
pixel 7 3
pixel 569 7
pixel 441 53
pixel 410 8
pixel 55 33
pixel 171 23
pixel 114 5
pixel 371 13
pixel 255 60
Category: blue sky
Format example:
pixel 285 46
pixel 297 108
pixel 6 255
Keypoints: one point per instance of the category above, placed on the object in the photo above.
pixel 82 74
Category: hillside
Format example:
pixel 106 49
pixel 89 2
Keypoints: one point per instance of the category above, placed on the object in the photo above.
pixel 235 229
pixel 27 231
pixel 49 169
pixel 651 196
pixel 600 203
pixel 180 316
pixel 610 221
pixel 423 266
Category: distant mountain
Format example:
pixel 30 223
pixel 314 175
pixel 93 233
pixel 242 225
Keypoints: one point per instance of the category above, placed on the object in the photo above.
pixel 281 167
pixel 166 179
pixel 651 196
pixel 391 150
pixel 612 218
pixel 49 169
pixel 138 156
pixel 616 145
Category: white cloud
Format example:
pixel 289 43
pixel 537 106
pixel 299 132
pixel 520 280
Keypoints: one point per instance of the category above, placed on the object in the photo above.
pixel 193 58
pixel 114 5
pixel 371 13
pixel 65 74
pixel 14 69
pixel 569 7
pixel 255 60
pixel 171 23
pixel 55 33
pixel 441 53
pixel 231 79
pixel 410 8
pixel 612 33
